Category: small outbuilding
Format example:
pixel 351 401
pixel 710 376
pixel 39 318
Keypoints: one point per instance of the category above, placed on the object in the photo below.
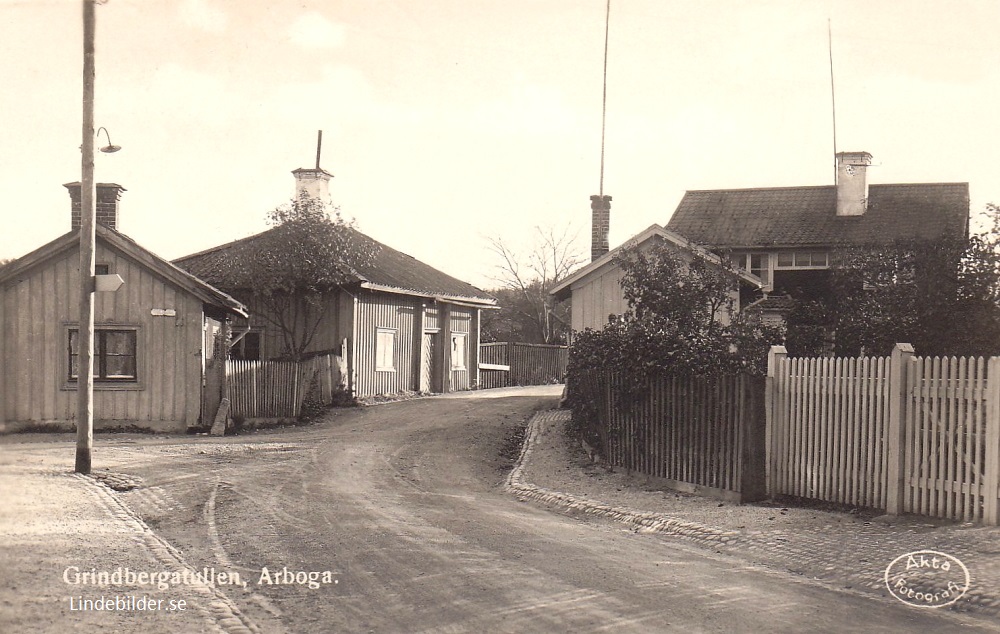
pixel 150 349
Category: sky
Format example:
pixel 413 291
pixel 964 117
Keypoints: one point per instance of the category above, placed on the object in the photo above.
pixel 449 122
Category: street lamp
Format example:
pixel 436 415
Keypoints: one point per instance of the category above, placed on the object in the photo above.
pixel 110 148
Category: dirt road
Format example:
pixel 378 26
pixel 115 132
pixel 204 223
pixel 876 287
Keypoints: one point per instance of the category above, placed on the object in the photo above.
pixel 403 505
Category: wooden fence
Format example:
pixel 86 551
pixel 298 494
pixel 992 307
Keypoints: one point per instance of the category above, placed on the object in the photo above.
pixel 701 435
pixel 827 430
pixel 276 389
pixel 901 433
pixel 504 364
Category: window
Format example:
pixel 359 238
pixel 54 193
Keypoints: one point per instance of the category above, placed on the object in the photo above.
pixel 385 346
pixel 247 348
pixel 114 355
pixel 756 264
pixel 458 351
pixel 759 266
pixel 101 269
pixel 803 260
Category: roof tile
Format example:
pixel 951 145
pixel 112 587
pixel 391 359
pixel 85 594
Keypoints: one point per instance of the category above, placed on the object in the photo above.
pixel 806 216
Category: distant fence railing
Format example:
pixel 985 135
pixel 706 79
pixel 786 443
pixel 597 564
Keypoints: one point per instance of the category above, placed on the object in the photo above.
pixel 277 389
pixel 521 364
pixel 697 434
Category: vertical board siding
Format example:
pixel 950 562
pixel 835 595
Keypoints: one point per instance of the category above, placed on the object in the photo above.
pixel 328 336
pixel 385 310
pixel 42 303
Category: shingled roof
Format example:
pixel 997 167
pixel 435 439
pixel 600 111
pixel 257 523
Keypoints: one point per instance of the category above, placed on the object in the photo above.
pixel 389 270
pixel 806 216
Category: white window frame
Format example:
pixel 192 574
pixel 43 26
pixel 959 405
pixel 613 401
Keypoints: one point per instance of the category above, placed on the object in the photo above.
pixel 796 265
pixel 385 363
pixel 743 259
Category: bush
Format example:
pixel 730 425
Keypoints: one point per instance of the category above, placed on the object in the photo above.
pixel 678 323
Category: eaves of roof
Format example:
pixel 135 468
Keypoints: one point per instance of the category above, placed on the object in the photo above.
pixel 562 290
pixel 119 241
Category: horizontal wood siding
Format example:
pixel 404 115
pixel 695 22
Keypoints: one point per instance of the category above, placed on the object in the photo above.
pixel 385 310
pixel 39 306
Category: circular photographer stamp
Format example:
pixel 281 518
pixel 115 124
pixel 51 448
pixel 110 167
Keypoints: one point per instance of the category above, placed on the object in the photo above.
pixel 927 579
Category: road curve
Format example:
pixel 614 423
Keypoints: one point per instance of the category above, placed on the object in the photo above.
pixel 404 504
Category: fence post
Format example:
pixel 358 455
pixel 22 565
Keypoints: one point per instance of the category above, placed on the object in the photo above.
pixel 774 356
pixel 899 363
pixel 510 365
pixel 991 474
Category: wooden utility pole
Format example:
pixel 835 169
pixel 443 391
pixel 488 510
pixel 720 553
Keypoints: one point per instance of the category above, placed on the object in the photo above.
pixel 85 335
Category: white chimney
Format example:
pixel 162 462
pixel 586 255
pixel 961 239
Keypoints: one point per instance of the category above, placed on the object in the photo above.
pixel 313 182
pixel 852 183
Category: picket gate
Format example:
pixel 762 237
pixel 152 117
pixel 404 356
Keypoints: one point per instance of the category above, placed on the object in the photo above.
pixel 905 434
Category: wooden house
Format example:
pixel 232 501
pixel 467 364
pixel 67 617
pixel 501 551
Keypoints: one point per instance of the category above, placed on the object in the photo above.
pixel 595 290
pixel 150 353
pixel 787 236
pixel 398 324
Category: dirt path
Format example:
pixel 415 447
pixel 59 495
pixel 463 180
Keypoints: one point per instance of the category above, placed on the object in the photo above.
pixel 404 505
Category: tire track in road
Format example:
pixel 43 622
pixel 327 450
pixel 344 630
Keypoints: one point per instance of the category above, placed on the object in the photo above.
pixel 212 602
pixel 219 550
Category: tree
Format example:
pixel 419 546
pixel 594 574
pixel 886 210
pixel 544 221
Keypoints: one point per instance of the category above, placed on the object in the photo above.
pixel 527 312
pixel 287 271
pixel 681 319
pixel 942 296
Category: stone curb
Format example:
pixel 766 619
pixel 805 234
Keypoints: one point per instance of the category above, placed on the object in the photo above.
pixel 702 535
pixel 217 608
pixel 640 521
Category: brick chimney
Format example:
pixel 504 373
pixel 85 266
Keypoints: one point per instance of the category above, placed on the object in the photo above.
pixel 852 183
pixel 314 182
pixel 600 225
pixel 106 204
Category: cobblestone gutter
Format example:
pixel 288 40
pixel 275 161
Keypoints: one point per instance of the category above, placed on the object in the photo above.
pixel 842 553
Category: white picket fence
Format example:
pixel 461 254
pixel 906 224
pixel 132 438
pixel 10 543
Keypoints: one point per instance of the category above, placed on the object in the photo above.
pixel 901 433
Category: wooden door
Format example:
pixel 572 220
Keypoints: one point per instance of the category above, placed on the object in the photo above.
pixel 430 363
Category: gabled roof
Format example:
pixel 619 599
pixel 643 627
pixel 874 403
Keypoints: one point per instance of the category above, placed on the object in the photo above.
pixel 389 270
pixel 202 290
pixel 563 289
pixel 806 216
